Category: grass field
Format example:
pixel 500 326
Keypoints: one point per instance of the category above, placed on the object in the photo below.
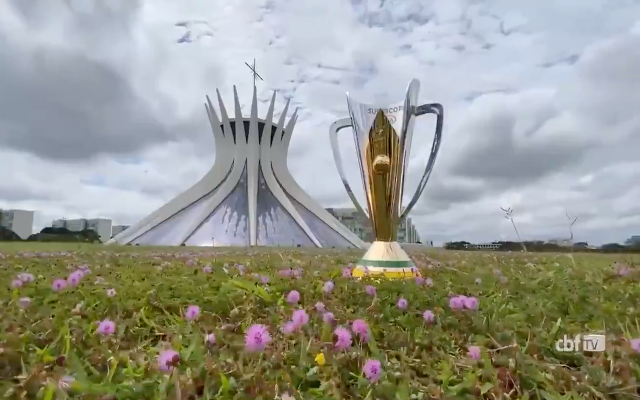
pixel 124 327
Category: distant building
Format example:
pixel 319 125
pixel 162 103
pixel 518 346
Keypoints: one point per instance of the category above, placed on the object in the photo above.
pixel 19 221
pixel 560 242
pixel 483 246
pixel 633 241
pixel 405 231
pixel 356 222
pixel 101 226
pixel 116 229
pixel 360 224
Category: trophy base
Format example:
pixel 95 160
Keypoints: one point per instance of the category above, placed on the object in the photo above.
pixel 385 259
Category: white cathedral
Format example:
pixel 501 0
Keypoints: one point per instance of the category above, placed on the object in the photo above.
pixel 248 198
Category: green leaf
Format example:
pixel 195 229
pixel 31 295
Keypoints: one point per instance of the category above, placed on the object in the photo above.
pixel 189 350
pixel 113 367
pixel 225 385
pixel 253 288
pixel 76 365
pixel 486 387
pixel 327 333
pixel 403 391
pixel 373 346
pixel 555 328
pixel 50 391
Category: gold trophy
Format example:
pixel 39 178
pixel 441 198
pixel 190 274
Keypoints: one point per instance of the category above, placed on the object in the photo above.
pixel 383 142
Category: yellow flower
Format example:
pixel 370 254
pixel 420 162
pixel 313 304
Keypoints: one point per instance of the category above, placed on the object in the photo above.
pixel 320 359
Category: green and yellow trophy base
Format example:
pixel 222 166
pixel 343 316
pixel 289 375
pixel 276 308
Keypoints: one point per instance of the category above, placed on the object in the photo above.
pixel 385 260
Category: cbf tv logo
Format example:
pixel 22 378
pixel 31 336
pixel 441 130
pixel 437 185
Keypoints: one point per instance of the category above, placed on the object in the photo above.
pixel 591 342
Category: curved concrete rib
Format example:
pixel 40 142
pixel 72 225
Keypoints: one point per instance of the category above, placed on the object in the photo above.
pixel 294 190
pixel 240 160
pixel 253 160
pixel 275 149
pixel 210 182
pixel 256 153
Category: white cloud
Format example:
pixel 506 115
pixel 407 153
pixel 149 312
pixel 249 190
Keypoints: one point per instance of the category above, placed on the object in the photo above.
pixel 540 103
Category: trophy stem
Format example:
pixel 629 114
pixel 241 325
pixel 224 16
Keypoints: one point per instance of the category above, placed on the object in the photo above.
pixel 386 259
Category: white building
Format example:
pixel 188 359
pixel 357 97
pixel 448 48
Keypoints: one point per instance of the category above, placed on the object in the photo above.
pixel 248 198
pixel 59 223
pixel 561 242
pixel 19 221
pixel 360 224
pixel 355 221
pixel 407 232
pixel 633 241
pixel 483 246
pixel 102 226
pixel 116 229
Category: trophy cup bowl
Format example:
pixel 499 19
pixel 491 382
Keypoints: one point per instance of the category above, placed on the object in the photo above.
pixel 382 137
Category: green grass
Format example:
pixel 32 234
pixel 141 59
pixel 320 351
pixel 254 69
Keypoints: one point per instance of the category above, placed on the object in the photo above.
pixel 51 350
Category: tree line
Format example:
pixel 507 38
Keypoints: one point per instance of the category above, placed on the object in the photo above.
pixel 51 235
pixel 542 246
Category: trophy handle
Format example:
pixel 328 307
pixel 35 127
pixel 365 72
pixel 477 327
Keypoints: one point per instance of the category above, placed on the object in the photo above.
pixel 333 136
pixel 433 108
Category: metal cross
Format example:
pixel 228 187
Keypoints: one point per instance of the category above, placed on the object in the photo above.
pixel 253 70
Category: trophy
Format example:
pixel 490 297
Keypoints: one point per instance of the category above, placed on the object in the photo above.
pixel 383 143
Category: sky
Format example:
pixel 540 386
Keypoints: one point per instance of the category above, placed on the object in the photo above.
pixel 102 115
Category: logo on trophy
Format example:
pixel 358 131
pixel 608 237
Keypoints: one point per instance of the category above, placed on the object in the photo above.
pixel 382 137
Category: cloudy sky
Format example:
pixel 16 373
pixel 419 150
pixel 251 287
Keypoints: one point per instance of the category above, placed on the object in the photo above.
pixel 101 111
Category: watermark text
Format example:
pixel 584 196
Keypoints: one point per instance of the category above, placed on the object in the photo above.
pixel 587 342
